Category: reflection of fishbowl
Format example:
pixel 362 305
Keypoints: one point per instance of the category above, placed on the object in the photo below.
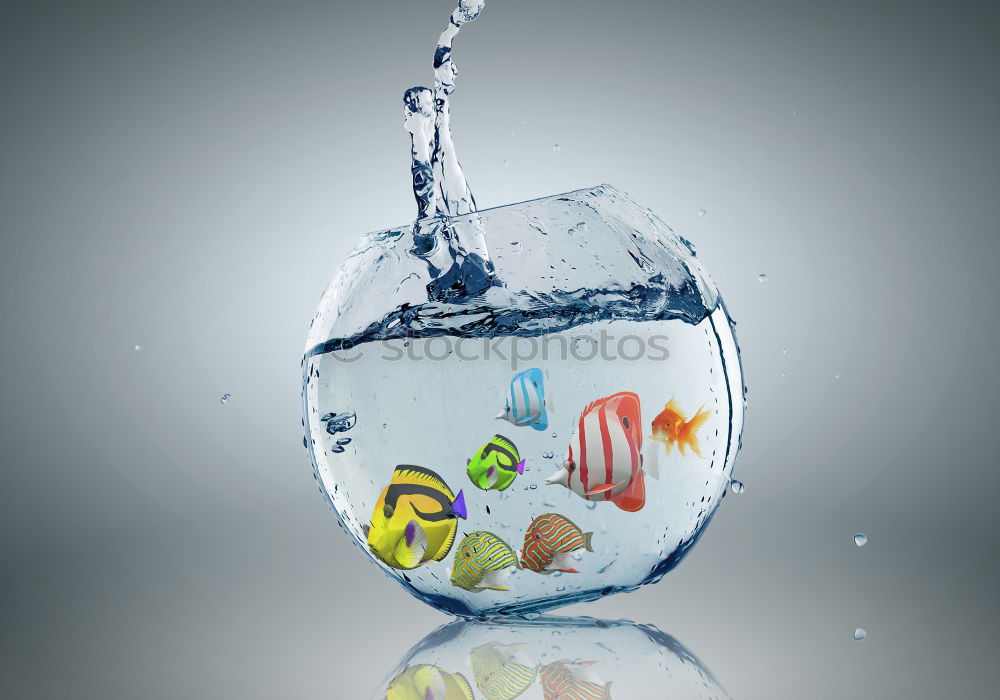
pixel 549 659
pixel 548 422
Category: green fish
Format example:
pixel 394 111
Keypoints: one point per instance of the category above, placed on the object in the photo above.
pixel 495 465
pixel 482 561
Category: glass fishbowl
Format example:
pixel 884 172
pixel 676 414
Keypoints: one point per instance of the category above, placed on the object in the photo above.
pixel 524 407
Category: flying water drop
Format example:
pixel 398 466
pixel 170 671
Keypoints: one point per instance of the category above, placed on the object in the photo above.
pixel 137 347
pixel 225 398
pixel 736 486
pixel 860 633
pixel 762 278
pixel 860 539
pixel 702 212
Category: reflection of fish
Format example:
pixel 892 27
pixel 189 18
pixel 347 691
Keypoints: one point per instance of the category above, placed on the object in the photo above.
pixel 495 465
pixel 500 671
pixel 548 542
pixel 482 561
pixel 414 520
pixel 568 680
pixel 604 460
pixel 426 682
pixel 527 405
pixel 671 427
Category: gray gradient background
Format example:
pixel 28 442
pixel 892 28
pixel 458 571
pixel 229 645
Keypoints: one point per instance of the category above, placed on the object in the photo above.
pixel 188 175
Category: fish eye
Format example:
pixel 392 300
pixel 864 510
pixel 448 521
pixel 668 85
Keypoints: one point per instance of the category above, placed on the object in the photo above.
pixel 388 510
pixel 625 422
pixel 571 466
pixel 537 536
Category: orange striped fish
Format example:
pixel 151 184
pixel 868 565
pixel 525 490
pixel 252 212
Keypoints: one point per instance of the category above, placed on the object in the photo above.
pixel 548 542
pixel 569 680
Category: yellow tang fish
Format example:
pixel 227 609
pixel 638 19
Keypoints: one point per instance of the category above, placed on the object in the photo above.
pixel 426 682
pixel 672 427
pixel 415 518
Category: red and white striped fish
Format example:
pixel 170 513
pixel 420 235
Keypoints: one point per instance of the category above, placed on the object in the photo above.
pixel 605 457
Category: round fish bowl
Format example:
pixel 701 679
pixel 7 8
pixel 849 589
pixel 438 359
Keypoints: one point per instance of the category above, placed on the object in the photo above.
pixel 525 407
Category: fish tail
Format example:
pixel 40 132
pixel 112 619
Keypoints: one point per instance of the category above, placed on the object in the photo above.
pixel 692 426
pixel 588 538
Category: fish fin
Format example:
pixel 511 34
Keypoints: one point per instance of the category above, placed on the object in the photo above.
pixel 458 505
pixel 411 472
pixel 495 588
pixel 502 415
pixel 463 683
pixel 672 405
pixel 520 467
pixel 650 458
pixel 633 498
pixel 366 528
pixel 588 541
pixel 411 547
pixel 600 488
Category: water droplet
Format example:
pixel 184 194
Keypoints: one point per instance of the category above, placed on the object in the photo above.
pixel 837 375
pixel 515 246
pixel 555 434
pixel 533 486
pixel 506 163
pixel 591 505
pixel 795 112
pixel 860 539
pixel 137 347
pixel 336 449
pixel 555 147
pixel 702 212
pixel 736 486
pixel 340 422
pixel 762 278
pixel 548 455
pixel 860 633
pixel 784 351
pixel 225 398
pixel 784 374
pixel 344 441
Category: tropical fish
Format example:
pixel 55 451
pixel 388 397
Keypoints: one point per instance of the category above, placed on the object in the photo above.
pixel 415 518
pixel 482 561
pixel 549 541
pixel 605 458
pixel 426 682
pixel 495 465
pixel 672 427
pixel 500 670
pixel 573 680
pixel 527 404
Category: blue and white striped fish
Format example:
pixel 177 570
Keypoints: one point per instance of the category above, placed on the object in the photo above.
pixel 527 404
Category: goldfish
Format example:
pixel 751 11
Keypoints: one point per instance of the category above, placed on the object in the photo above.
pixel 604 461
pixel 495 465
pixel 500 671
pixel 482 561
pixel 549 541
pixel 415 518
pixel 569 680
pixel 427 682
pixel 671 428
pixel 527 404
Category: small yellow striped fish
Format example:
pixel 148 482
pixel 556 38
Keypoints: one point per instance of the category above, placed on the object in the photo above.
pixel 573 680
pixel 483 561
pixel 500 672
pixel 426 682
pixel 414 519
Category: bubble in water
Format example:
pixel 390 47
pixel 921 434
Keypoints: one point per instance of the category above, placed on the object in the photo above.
pixel 340 422
pixel 591 505
pixel 702 212
pixel 548 455
pixel 555 434
pixel 225 398
pixel 555 147
pixel 344 441
pixel 137 347
pixel 736 486
pixel 860 539
pixel 762 277
pixel 337 449
pixel 860 633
